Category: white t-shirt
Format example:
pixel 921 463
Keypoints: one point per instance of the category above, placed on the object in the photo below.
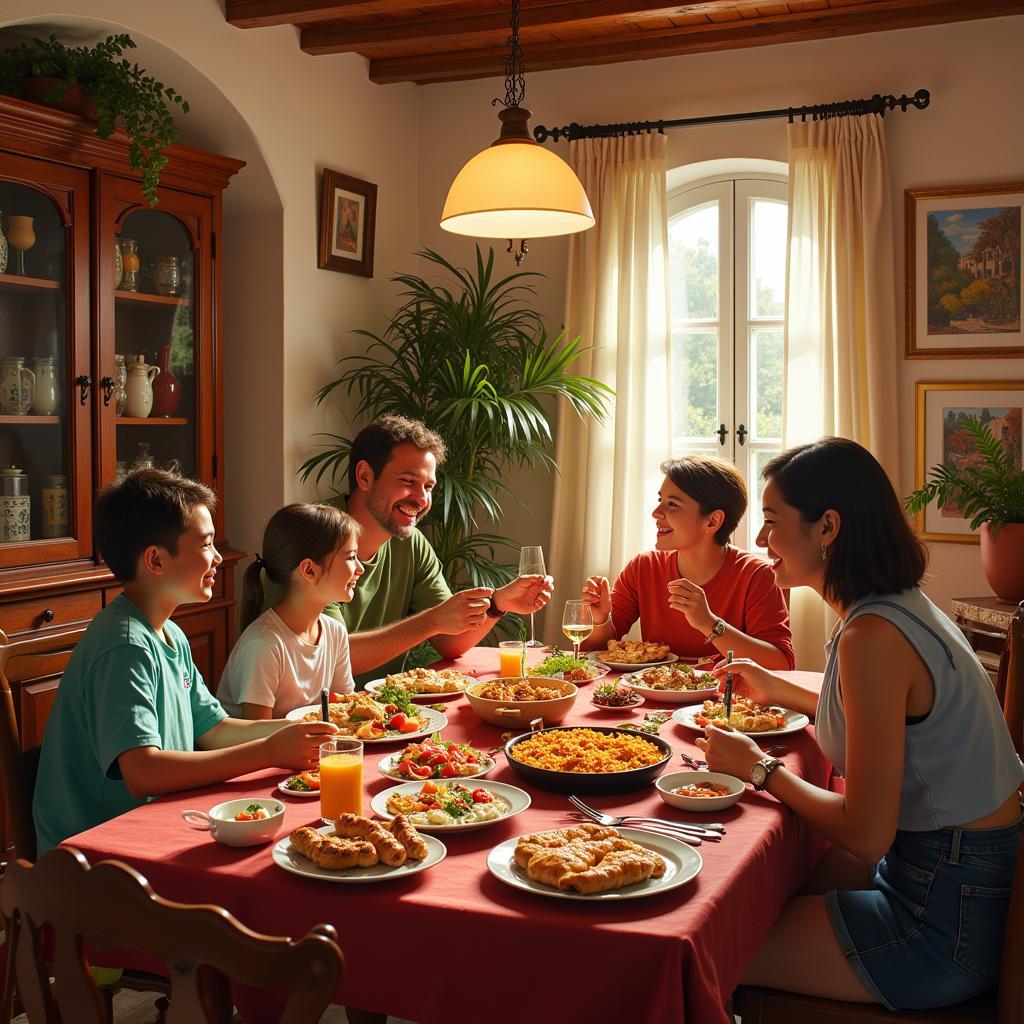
pixel 273 667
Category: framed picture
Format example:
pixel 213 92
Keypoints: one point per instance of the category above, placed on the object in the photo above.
pixel 942 406
pixel 963 271
pixel 348 214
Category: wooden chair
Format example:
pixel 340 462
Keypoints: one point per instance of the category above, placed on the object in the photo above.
pixel 111 906
pixel 1003 1005
pixel 20 661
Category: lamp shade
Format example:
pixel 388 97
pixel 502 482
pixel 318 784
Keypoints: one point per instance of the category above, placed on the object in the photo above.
pixel 516 189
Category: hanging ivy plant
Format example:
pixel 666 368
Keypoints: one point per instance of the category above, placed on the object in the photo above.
pixel 124 95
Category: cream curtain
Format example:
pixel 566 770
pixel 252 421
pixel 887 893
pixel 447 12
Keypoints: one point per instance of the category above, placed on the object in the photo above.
pixel 617 298
pixel 841 328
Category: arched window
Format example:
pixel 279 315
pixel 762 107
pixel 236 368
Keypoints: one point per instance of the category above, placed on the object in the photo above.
pixel 727 266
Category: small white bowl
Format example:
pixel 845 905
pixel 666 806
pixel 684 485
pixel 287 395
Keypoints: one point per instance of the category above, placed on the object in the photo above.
pixel 673 780
pixel 221 824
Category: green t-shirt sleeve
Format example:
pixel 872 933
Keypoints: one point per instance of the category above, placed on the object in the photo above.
pixel 429 588
pixel 120 703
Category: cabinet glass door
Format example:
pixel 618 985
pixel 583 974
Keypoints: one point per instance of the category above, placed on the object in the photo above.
pixel 157 274
pixel 44 363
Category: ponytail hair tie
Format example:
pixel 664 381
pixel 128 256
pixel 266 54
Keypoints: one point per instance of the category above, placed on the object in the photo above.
pixel 258 560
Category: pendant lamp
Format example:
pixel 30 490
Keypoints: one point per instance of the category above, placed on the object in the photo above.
pixel 516 188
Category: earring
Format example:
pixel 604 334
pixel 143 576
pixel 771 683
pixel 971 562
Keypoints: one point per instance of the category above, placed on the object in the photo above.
pixel 824 552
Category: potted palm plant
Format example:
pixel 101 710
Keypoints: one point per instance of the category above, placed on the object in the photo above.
pixel 473 362
pixel 990 495
pixel 98 83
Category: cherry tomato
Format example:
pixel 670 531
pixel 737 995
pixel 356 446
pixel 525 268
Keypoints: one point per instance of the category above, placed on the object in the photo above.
pixel 428 787
pixel 336 698
pixel 396 721
pixel 449 771
pixel 481 796
pixel 390 709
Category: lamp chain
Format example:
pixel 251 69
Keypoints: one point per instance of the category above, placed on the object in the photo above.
pixel 515 69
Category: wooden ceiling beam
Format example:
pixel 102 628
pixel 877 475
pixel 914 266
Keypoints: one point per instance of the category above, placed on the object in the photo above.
pixel 264 13
pixel 882 15
pixel 343 37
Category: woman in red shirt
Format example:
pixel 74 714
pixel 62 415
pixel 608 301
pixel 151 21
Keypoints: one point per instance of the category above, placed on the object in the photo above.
pixel 695 591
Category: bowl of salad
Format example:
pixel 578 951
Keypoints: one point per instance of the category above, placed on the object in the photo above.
pixel 435 758
pixel 570 669
pixel 615 697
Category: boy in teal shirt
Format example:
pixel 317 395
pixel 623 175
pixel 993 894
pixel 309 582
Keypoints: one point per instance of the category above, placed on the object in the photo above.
pixel 133 718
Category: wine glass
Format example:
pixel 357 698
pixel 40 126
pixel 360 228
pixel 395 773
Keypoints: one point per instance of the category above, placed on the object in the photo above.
pixel 577 623
pixel 20 236
pixel 531 563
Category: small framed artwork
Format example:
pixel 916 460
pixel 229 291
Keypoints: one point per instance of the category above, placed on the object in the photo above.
pixel 348 215
pixel 964 272
pixel 942 407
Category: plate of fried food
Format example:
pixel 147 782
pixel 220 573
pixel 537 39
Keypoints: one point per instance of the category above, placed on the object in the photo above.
pixel 362 717
pixel 357 850
pixel 633 654
pixel 424 685
pixel 678 683
pixel 746 717
pixel 594 863
pixel 450 806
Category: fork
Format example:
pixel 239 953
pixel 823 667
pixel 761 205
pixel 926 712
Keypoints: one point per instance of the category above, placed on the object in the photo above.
pixel 692 838
pixel 612 819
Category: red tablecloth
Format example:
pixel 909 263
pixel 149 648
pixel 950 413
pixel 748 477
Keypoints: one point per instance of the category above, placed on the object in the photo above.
pixel 453 944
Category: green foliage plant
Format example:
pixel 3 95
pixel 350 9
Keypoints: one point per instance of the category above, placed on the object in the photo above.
pixel 990 491
pixel 472 360
pixel 124 95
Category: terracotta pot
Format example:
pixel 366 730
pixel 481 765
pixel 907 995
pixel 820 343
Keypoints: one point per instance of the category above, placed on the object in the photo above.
pixel 75 101
pixel 1002 561
pixel 166 389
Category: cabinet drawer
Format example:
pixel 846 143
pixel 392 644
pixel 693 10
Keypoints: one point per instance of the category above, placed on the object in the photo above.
pixel 56 610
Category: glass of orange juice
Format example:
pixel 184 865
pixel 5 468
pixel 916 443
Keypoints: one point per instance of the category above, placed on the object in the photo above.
pixel 341 778
pixel 511 658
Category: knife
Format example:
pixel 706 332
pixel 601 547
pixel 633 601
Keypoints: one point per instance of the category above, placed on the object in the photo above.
pixel 324 708
pixel 728 690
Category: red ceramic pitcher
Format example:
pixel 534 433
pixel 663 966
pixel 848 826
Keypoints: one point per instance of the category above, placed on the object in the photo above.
pixel 166 388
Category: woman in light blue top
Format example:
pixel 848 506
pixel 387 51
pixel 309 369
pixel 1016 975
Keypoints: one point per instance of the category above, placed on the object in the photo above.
pixel 909 906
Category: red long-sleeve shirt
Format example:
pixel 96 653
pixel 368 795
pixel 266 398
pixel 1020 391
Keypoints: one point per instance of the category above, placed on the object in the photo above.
pixel 743 592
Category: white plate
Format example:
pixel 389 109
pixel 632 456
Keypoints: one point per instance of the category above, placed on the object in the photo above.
pixel 421 698
pixel 631 666
pixel 682 863
pixel 794 722
pixel 387 765
pixel 518 800
pixel 669 696
pixel 285 857
pixel 301 793
pixel 435 723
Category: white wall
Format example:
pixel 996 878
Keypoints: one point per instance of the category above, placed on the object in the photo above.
pixel 257 97
pixel 971 133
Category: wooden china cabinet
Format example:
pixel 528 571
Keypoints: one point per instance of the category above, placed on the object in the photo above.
pixel 93 273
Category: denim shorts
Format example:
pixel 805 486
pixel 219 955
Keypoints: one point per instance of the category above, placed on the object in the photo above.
pixel 930 931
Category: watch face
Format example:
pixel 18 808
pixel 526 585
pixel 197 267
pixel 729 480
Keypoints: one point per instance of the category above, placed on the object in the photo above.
pixel 758 774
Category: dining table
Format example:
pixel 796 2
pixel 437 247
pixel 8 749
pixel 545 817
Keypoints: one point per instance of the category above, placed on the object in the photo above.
pixel 453 943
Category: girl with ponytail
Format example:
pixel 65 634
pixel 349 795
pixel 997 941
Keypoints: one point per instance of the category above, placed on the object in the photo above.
pixel 288 654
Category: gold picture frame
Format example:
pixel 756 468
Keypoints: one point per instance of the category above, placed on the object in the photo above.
pixel 963 271
pixel 938 404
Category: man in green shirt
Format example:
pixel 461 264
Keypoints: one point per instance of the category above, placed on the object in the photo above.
pixel 402 598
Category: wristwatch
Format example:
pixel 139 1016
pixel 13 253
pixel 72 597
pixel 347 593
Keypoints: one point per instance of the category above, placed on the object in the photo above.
pixel 493 612
pixel 760 771
pixel 716 630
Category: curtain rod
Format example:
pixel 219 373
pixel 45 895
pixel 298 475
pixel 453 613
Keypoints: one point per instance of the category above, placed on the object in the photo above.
pixel 846 108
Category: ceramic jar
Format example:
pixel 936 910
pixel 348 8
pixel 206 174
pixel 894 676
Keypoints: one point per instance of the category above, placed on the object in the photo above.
pixel 15 506
pixel 129 265
pixel 167 276
pixel 46 399
pixel 17 386
pixel 139 389
pixel 120 384
pixel 166 389
pixel 55 506
pixel 118 265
